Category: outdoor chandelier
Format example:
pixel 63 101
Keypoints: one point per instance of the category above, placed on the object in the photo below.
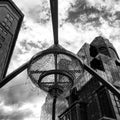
pixel 54 69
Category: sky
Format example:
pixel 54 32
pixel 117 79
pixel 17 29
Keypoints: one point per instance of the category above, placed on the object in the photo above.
pixel 80 21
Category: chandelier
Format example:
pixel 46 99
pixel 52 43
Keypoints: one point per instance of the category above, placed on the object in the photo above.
pixel 54 69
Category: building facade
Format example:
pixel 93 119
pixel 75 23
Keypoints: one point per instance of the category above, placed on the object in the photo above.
pixel 89 99
pixel 10 22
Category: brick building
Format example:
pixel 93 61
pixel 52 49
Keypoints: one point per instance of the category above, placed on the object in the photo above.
pixel 89 99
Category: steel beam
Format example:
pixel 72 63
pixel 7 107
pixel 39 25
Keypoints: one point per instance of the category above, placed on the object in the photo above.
pixel 54 14
pixel 104 82
pixel 13 74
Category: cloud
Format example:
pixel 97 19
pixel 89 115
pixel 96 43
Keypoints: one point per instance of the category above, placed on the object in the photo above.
pixel 38 11
pixel 16 95
pixel 108 8
pixel 8 112
pixel 19 99
pixel 101 4
pixel 40 14
pixel 32 39
pixel 19 91
pixel 73 36
pixel 88 11
pixel 81 12
pixel 15 115
pixel 63 9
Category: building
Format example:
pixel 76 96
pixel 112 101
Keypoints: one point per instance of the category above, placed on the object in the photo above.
pixel 10 22
pixel 90 99
pixel 46 110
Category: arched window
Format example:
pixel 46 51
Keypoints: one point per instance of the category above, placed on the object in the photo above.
pixel 93 51
pixel 97 64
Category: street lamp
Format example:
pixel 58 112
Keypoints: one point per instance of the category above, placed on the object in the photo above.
pixel 55 69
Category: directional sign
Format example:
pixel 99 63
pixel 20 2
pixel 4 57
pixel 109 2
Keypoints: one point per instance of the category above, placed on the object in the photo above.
pixel 10 21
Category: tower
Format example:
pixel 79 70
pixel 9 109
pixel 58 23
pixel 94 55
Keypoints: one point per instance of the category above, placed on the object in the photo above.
pixel 10 22
pixel 89 99
pixel 106 60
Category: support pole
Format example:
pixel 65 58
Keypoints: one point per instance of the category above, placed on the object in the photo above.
pixel 54 13
pixel 54 108
pixel 13 74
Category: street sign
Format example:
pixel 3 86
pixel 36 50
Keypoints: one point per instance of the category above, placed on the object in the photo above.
pixel 10 21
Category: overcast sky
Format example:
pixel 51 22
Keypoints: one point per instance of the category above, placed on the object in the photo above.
pixel 80 21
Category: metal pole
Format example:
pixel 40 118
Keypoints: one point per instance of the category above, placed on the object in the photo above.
pixel 13 74
pixel 104 82
pixel 54 13
pixel 54 108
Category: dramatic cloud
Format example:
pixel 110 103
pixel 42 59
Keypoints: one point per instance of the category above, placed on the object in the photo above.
pixel 17 95
pixel 88 19
pixel 20 99
pixel 40 14
pixel 80 12
pixel 15 114
pixel 20 102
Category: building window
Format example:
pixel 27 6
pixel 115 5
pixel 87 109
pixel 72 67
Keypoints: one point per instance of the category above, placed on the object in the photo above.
pixel 3 23
pixel 97 64
pixel 9 17
pixel 93 51
pixel 4 32
pixel 8 20
pixel 7 27
pixel 117 101
pixel 67 117
pixel 105 103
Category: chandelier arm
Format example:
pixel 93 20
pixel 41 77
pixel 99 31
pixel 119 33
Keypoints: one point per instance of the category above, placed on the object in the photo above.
pixel 103 81
pixel 10 77
pixel 54 14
